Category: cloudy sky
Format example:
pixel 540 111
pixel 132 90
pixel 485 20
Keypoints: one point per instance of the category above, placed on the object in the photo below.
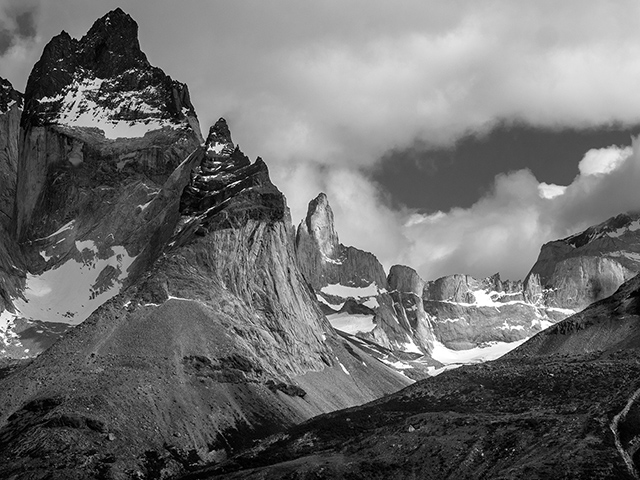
pixel 454 137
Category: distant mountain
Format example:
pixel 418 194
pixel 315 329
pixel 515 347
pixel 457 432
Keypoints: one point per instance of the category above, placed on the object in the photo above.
pixel 158 270
pixel 357 296
pixel 324 261
pixel 583 268
pixel 459 319
pixel 426 324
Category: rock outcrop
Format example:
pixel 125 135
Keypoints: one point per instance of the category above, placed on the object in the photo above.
pixel 392 317
pixel 324 261
pixel 401 322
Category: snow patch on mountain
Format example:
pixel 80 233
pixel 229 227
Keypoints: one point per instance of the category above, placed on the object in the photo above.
pixel 410 346
pixel 632 227
pixel 371 303
pixel 83 104
pixel 335 306
pixel 352 323
pixel 9 106
pixel 490 351
pixel 70 292
pixel 337 290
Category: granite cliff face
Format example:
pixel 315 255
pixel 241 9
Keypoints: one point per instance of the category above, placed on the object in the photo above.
pixel 196 331
pixel 586 267
pixel 358 298
pixel 467 312
pixel 11 261
pixel 80 97
pixel 324 261
pixel 10 112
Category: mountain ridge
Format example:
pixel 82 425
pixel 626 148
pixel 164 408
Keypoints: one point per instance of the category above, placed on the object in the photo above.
pixel 170 260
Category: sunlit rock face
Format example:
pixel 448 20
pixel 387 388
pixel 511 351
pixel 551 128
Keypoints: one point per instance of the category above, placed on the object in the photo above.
pixel 583 268
pixel 325 261
pixel 353 289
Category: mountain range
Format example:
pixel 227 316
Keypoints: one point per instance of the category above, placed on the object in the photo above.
pixel 161 317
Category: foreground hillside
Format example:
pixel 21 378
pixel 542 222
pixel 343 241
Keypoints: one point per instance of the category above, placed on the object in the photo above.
pixel 562 406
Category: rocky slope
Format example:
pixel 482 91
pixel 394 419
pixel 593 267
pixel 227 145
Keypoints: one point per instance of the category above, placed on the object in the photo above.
pixel 583 268
pixel 608 325
pixel 563 405
pixel 196 331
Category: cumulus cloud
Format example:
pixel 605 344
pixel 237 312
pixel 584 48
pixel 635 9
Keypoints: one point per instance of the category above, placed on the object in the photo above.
pixel 505 229
pixel 602 160
pixel 350 98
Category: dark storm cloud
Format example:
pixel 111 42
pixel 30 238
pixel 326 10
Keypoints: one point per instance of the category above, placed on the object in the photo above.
pixel 17 22
pixel 26 24
pixel 6 40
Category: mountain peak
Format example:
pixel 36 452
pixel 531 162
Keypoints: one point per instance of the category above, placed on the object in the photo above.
pixel 105 81
pixel 320 225
pixel 219 143
pixel 613 227
pixel 405 280
pixel 8 96
pixel 112 46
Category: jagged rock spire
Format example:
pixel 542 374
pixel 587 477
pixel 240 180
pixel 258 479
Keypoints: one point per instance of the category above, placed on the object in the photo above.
pixel 97 76
pixel 112 45
pixel 319 224
pixel 219 141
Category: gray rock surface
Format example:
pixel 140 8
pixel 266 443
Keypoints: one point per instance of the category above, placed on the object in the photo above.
pixel 324 261
pixel 10 112
pixel 583 268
